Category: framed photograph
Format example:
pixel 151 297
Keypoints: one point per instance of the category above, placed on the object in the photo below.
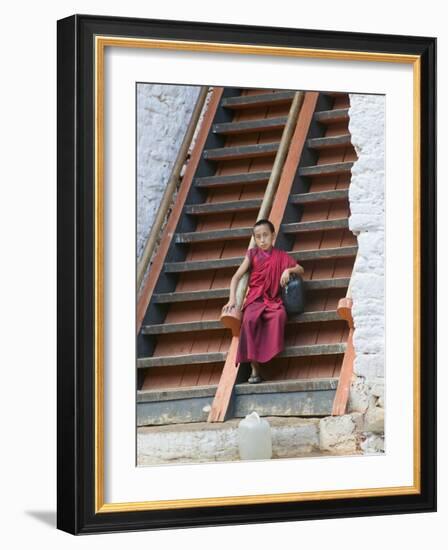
pixel 246 274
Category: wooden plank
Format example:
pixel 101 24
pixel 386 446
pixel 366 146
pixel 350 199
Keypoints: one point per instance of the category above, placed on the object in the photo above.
pixel 225 263
pixel 287 386
pixel 216 357
pixel 258 100
pixel 313 349
pixel 319 196
pixel 304 403
pixel 170 328
pixel 191 296
pixel 319 225
pixel 214 235
pixel 226 385
pixel 217 293
pixel 332 116
pixel 328 142
pixel 345 378
pixel 178 411
pixel 173 360
pixel 195 326
pixel 256 125
pixel 241 152
pixel 284 398
pixel 245 178
pixel 326 169
pixel 157 265
pixel 170 394
pixel 221 207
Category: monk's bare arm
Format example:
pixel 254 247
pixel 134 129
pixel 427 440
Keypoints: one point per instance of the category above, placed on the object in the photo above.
pixel 297 269
pixel 235 280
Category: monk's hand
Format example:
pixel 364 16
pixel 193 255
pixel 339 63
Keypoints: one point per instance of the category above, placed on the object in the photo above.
pixel 284 279
pixel 229 307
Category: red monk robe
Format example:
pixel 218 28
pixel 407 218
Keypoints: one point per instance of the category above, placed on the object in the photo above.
pixel 264 316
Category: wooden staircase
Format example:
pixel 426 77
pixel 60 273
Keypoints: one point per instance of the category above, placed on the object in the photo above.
pixel 183 350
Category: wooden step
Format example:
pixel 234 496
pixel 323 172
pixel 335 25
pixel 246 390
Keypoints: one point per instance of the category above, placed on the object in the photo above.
pixel 245 126
pixel 218 357
pixel 222 207
pixel 224 263
pixel 325 284
pixel 318 225
pixel 218 293
pixel 246 178
pixel 335 168
pixel 308 397
pixel 213 235
pixel 332 116
pixel 259 100
pixel 173 360
pixel 241 152
pixel 191 296
pixel 319 196
pixel 199 326
pixel 329 142
pixel 254 204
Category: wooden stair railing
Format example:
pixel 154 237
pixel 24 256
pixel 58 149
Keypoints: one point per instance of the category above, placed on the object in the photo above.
pixel 342 392
pixel 275 209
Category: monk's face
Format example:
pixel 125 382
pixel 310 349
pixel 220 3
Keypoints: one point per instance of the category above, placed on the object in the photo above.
pixel 264 238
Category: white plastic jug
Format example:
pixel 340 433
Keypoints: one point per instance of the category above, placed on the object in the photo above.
pixel 254 438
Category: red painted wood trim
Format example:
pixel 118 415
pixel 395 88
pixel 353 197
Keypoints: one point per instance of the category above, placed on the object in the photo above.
pixel 345 378
pixel 292 160
pixel 225 386
pixel 168 232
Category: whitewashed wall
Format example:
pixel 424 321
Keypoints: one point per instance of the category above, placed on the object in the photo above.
pixel 163 114
pixel 366 196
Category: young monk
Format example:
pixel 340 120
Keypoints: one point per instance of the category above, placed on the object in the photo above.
pixel 264 315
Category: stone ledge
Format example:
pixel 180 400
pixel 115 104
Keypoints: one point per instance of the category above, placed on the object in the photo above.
pixel 198 442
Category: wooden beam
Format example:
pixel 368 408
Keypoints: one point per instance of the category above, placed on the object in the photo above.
pixel 221 207
pixel 329 142
pixel 244 178
pixel 319 196
pixel 327 169
pixel 259 100
pixel 332 116
pixel 318 225
pixel 241 152
pixel 244 126
pixel 226 384
pixel 194 326
pixel 224 263
pixel 345 376
pixel 217 357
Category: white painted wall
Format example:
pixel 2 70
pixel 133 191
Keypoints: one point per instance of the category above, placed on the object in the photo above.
pixel 366 197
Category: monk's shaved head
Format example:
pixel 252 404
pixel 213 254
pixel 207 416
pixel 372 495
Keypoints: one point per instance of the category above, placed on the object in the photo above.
pixel 265 222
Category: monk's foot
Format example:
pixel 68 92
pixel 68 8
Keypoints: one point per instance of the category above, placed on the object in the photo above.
pixel 255 379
